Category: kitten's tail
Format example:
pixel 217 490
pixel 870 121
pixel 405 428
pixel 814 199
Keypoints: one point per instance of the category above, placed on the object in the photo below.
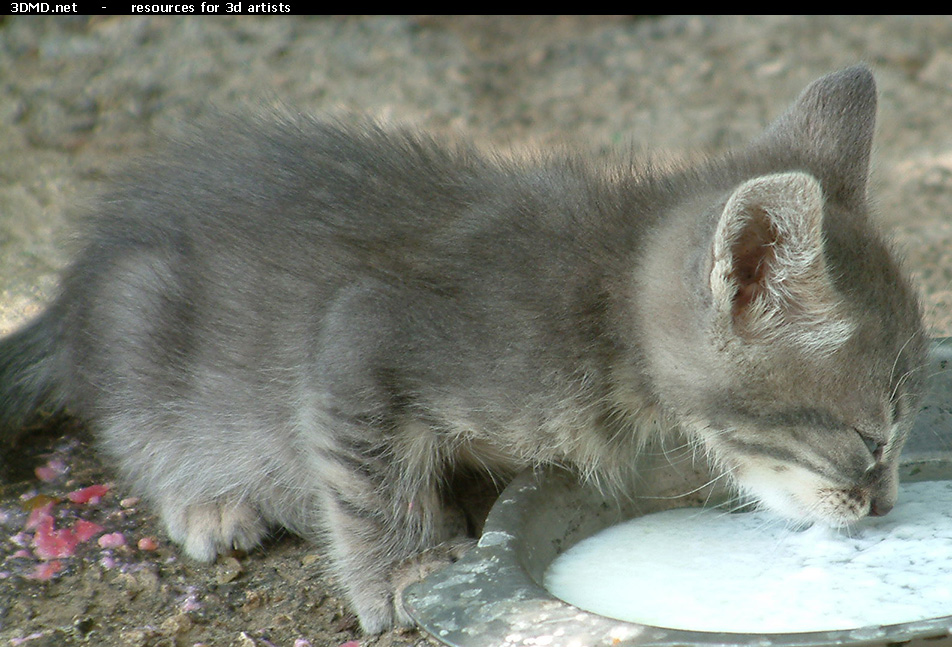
pixel 29 375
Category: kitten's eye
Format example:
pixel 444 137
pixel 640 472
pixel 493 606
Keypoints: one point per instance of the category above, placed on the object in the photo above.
pixel 875 447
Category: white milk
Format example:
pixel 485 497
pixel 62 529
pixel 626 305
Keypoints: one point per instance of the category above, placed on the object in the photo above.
pixel 707 570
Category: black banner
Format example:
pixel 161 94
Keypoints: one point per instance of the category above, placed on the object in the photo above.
pixel 176 8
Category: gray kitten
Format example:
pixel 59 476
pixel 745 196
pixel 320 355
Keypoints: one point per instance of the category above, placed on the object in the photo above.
pixel 326 327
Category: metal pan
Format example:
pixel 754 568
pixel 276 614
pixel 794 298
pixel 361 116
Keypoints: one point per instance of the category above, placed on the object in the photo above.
pixel 494 596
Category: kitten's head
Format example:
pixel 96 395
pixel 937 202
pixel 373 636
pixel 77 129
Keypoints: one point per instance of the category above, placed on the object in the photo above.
pixel 795 354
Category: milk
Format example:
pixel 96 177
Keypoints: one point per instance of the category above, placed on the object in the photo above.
pixel 709 570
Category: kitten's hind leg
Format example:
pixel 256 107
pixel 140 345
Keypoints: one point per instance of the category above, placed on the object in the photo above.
pixel 201 492
pixel 205 530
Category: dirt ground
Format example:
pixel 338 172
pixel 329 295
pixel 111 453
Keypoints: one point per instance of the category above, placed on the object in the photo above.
pixel 79 97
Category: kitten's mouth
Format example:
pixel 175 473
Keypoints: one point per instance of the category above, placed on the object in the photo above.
pixel 829 506
pixel 800 492
pixel 843 505
pixel 802 496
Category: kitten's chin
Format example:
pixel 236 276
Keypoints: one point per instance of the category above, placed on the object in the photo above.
pixel 798 495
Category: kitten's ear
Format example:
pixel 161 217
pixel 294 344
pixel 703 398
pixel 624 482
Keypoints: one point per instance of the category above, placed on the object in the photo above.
pixel 830 129
pixel 769 279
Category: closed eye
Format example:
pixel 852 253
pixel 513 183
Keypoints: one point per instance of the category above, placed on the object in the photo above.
pixel 874 446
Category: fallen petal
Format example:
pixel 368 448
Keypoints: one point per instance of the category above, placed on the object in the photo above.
pixel 112 540
pixel 92 494
pixel 46 571
pixel 49 543
pixel 39 510
pixel 148 543
pixel 86 530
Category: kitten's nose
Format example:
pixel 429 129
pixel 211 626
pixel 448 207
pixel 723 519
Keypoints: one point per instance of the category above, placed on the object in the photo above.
pixel 881 488
pixel 880 507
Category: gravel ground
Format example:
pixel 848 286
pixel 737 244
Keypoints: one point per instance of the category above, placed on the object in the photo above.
pixel 80 97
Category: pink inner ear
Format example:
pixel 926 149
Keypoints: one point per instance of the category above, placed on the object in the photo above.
pixel 754 253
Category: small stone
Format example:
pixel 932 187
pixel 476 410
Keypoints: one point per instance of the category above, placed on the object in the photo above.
pixel 282 620
pixel 228 570
pixel 139 637
pixel 254 600
pixel 145 580
pixel 176 625
pixel 148 579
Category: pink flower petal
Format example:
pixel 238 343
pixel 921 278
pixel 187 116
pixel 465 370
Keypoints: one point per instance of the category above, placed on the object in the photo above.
pixel 86 530
pixel 53 469
pixel 39 514
pixel 46 571
pixel 148 543
pixel 49 543
pixel 46 473
pixel 112 540
pixel 92 494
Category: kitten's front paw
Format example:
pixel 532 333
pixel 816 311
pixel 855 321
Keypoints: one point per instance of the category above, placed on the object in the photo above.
pixel 416 568
pixel 204 530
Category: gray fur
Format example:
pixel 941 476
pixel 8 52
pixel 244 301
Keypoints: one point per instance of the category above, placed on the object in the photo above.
pixel 294 322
